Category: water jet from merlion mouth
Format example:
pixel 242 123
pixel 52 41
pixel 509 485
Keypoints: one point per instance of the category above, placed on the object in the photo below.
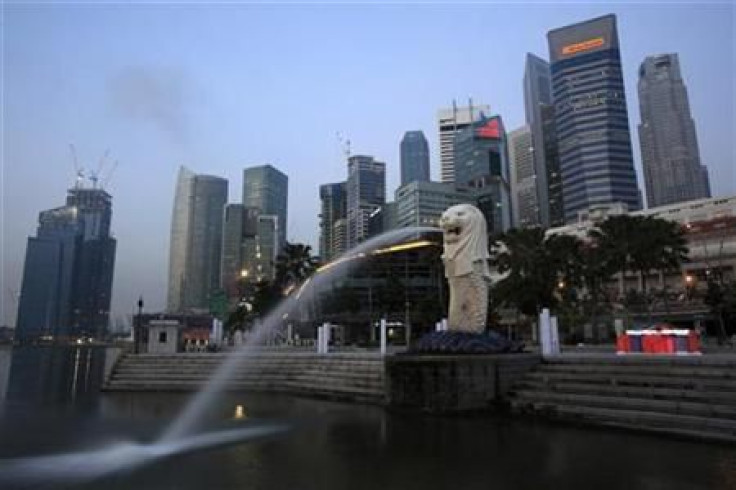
pixel 195 409
pixel 179 436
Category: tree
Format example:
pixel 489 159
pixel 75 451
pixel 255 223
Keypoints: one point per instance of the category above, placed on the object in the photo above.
pixel 721 298
pixel 257 301
pixel 639 244
pixel 294 265
pixel 536 266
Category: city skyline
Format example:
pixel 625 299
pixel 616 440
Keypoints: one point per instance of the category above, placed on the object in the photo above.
pixel 44 113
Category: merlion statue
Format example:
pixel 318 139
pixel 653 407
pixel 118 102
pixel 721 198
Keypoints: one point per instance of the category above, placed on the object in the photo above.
pixel 466 267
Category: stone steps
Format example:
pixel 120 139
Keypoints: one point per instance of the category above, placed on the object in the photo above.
pixel 634 391
pixel 634 379
pixel 693 397
pixel 658 370
pixel 358 377
pixel 699 409
pixel 691 427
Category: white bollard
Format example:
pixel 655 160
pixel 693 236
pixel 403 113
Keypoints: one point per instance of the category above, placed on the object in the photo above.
pixel 326 337
pixel 444 324
pixel 383 336
pixel 438 327
pixel 554 336
pixel 319 340
pixel 545 338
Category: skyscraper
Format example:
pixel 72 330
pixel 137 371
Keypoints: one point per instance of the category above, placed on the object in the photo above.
pixel 266 188
pixel 68 271
pixel 539 110
pixel 449 122
pixel 482 165
pixel 366 192
pixel 591 119
pixel 334 207
pixel 524 198
pixel 414 157
pixel 669 145
pixel 196 241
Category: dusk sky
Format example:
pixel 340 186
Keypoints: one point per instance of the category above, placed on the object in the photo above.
pixel 221 87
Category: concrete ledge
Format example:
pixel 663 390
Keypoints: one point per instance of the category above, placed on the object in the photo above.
pixel 453 383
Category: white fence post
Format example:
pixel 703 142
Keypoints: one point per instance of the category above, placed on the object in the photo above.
pixel 383 336
pixel 554 336
pixel 545 335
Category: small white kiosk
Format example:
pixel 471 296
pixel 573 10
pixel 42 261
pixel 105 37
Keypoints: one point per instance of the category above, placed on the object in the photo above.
pixel 163 336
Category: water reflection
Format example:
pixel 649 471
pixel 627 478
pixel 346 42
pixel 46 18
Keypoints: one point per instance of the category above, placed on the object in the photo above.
pixel 54 375
pixel 329 445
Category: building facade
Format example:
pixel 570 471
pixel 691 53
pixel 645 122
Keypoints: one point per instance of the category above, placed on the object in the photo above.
pixel 669 146
pixel 539 112
pixel 239 224
pixel 68 271
pixel 266 188
pixel 196 241
pixel 524 181
pixel 482 166
pixel 333 198
pixel 591 119
pixel 366 192
pixel 382 219
pixel 339 237
pixel 449 122
pixel 414 157
pixel 422 203
pixel 261 249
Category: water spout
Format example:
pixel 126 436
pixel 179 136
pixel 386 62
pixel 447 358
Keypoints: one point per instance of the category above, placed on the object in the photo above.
pixel 196 408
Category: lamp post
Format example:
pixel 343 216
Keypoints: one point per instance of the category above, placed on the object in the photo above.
pixel 138 329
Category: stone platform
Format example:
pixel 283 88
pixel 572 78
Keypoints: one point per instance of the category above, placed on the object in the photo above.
pixel 453 383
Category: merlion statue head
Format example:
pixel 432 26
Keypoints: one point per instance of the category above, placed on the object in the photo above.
pixel 465 240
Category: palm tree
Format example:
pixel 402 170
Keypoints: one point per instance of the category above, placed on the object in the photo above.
pixel 536 266
pixel 294 264
pixel 659 245
pixel 639 244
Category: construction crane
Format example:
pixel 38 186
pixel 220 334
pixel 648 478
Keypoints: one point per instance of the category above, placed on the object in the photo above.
pixel 94 177
pixel 344 144
pixel 106 179
pixel 78 171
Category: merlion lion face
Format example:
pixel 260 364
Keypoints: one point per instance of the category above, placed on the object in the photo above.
pixel 458 222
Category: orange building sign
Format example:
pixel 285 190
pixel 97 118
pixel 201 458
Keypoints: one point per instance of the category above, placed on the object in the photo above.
pixel 583 46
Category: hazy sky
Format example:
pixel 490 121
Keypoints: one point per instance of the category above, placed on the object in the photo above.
pixel 222 87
